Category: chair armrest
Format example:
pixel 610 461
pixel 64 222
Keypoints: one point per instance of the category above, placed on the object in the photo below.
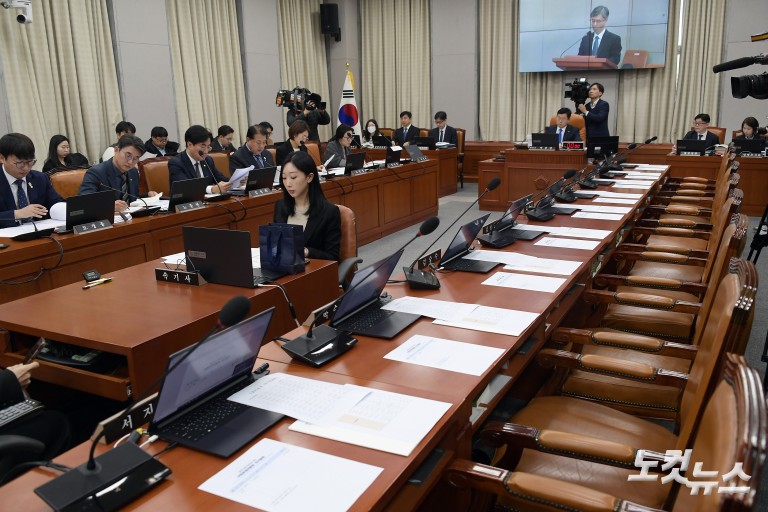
pixel 626 341
pixel 684 193
pixel 678 209
pixel 642 300
pixel 346 266
pixel 665 231
pixel 10 444
pixel 696 253
pixel 656 283
pixel 675 223
pixel 660 257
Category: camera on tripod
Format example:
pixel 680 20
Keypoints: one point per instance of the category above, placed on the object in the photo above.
pixel 298 98
pixel 579 91
pixel 748 85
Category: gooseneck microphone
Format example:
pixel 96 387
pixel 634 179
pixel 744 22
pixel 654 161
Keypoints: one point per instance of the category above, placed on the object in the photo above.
pixel 79 484
pixel 420 280
pixel 215 181
pixel 575 42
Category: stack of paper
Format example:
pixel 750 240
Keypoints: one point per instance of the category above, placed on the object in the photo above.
pixel 566 243
pixel 453 356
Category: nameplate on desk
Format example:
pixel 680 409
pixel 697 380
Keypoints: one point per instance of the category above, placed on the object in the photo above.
pixel 690 153
pixel 259 192
pixel 119 425
pixel 193 205
pixel 542 148
pixel 179 276
pixel 89 227
pixel 429 259
pixel 360 171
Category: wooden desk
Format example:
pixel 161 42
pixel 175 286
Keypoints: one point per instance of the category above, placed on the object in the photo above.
pixel 447 165
pixel 144 320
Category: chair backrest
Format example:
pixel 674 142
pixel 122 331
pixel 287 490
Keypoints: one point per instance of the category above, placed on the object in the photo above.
pixel 221 161
pixel 67 183
pixel 156 174
pixel 314 151
pixel 736 133
pixel 423 132
pixel 461 134
pixel 635 59
pixel 387 132
pixel 717 130
pixel 273 152
pixel 576 121
pixel 348 245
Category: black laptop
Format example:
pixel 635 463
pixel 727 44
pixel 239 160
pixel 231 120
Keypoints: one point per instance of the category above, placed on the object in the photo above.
pixel 223 256
pixel 453 259
pixel 87 208
pixel 415 153
pixel 749 146
pixel 355 162
pixel 544 141
pixel 257 179
pixel 424 142
pixel 602 147
pixel 381 141
pixel 359 310
pixel 187 191
pixel 393 157
pixel 503 234
pixel 691 147
pixel 192 407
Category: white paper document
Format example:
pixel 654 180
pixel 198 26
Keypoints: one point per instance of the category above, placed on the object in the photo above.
pixel 453 356
pixel 596 208
pixel 279 477
pixel 509 322
pixel 428 307
pixel 645 176
pixel 239 174
pixel 380 420
pixel 614 200
pixel 637 184
pixel 597 216
pixel 147 201
pixel 594 234
pixel 567 243
pixel 526 263
pixel 29 227
pixel 640 183
pixel 181 257
pixel 651 167
pixel 525 282
pixel 606 193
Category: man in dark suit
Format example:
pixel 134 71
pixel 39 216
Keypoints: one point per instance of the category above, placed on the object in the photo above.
pixel 404 135
pixel 313 115
pixel 565 132
pixel 194 162
pixel 118 173
pixel 159 145
pixel 223 142
pixel 595 112
pixel 24 194
pixel 701 132
pixel 253 152
pixel 598 42
pixel 443 132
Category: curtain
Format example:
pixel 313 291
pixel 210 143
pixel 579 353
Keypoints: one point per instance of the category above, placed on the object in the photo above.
pixel 305 65
pixel 60 75
pixel 396 61
pixel 207 67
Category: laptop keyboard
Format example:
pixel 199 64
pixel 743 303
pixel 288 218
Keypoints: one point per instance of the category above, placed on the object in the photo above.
pixel 203 420
pixel 462 264
pixel 365 319
pixel 18 411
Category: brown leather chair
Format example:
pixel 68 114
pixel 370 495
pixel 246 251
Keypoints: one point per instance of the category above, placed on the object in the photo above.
pixel 722 441
pixel 577 121
pixel 67 183
pixel 461 135
pixel 634 59
pixel 423 132
pixel 221 161
pixel 273 152
pixel 155 172
pixel 348 246
pixel 717 130
pixel 314 151
pixel 387 132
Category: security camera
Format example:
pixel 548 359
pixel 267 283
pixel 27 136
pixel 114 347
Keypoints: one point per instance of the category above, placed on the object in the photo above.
pixel 25 9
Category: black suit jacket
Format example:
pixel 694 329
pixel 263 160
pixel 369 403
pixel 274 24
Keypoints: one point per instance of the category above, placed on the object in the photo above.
pixel 106 173
pixel 216 146
pixel 39 191
pixel 171 148
pixel 597 120
pixel 322 236
pixel 571 133
pixel 449 136
pixel 180 167
pixel 283 150
pixel 610 46
pixel 243 158
pixel 711 138
pixel 398 138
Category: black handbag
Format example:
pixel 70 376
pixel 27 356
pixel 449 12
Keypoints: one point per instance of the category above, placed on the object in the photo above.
pixel 281 248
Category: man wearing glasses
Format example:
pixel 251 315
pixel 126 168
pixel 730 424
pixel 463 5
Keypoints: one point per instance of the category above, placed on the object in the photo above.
pixel 599 42
pixel 119 173
pixel 159 145
pixel 700 131
pixel 24 194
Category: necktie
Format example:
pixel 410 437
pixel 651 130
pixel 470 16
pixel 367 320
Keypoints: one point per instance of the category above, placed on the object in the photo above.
pixel 199 169
pixel 595 44
pixel 259 161
pixel 405 132
pixel 559 135
pixel 124 187
pixel 701 137
pixel 441 135
pixel 21 197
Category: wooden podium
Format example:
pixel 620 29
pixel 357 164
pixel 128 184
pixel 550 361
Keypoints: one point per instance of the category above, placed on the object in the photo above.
pixel 583 62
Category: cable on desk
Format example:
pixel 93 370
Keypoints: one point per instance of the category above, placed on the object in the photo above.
pixel 288 300
pixel 245 210
pixel 42 269
pixel 167 448
pixel 17 470
pixel 234 217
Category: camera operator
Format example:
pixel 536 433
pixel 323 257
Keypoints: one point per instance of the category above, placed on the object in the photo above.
pixel 312 115
pixel 595 112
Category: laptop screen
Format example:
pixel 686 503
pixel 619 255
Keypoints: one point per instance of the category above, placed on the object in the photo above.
pixel 90 208
pixel 355 162
pixel 749 145
pixel 393 156
pixel 602 146
pixel 464 238
pixel 691 146
pixel 544 140
pixel 225 356
pixel 508 219
pixel 366 286
pixel 415 152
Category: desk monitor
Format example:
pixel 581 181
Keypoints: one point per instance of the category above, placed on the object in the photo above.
pixel 355 162
pixel 90 208
pixel 393 157
pixel 544 140
pixel 260 178
pixel 602 147
pixel 752 146
pixel 186 191
pixel 424 142
pixel 691 147
pixel 381 141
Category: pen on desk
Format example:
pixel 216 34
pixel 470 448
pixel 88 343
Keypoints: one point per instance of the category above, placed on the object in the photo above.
pixel 97 282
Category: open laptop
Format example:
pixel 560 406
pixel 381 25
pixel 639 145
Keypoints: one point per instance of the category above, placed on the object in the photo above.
pixel 90 208
pixel 745 147
pixel 453 259
pixel 355 162
pixel 186 191
pixel 424 142
pixel 257 179
pixel 192 407
pixel 381 141
pixel 503 234
pixel 223 256
pixel 359 310
pixel 416 154
pixel 544 141
pixel 393 157
pixel 602 147
pixel 691 147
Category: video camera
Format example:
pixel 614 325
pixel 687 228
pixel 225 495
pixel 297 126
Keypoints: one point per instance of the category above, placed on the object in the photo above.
pixel 748 85
pixel 579 91
pixel 298 98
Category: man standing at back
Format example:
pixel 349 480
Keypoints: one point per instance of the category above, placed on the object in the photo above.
pixel 443 132
pixel 194 162
pixel 595 112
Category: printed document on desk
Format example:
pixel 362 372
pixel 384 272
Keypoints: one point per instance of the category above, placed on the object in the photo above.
pixel 526 263
pixel 525 282
pixel 509 322
pixel 453 356
pixel 594 234
pixel 606 193
pixel 636 184
pixel 567 243
pixel 431 308
pixel 614 200
pixel 29 227
pixel 597 216
pixel 279 477
pixel 240 174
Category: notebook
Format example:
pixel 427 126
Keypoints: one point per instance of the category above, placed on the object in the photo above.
pixel 223 256
pixel 192 407
pixel 453 259
pixel 359 310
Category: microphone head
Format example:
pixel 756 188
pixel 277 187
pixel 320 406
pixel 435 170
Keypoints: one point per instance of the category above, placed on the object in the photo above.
pixel 495 182
pixel 631 146
pixel 429 225
pixel 200 152
pixel 570 173
pixel 652 139
pixel 234 311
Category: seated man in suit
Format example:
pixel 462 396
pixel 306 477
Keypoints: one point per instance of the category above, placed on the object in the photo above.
pixel 598 42
pixel 403 136
pixel 443 132
pixel 595 112
pixel 194 162
pixel 700 131
pixel 159 145
pixel 253 152
pixel 119 173
pixel 122 128
pixel 223 142
pixel 565 132
pixel 24 194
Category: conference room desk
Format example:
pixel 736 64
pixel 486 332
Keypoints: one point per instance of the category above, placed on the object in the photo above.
pixel 389 491
pixel 447 165
pixel 144 320
pixel 383 202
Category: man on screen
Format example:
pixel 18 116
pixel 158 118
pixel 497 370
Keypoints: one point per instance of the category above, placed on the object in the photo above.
pixel 565 132
pixel 598 42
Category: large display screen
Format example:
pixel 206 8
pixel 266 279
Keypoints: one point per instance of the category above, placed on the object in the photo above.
pixel 573 35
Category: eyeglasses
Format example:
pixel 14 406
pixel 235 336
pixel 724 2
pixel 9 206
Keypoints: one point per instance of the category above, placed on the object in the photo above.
pixel 130 157
pixel 700 123
pixel 21 164
pixel 348 136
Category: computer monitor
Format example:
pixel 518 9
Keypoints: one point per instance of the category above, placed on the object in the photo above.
pixel 602 147
pixel 544 140
pixel 381 141
pixel 90 208
pixel 424 142
pixel 355 162
pixel 753 146
pixel 393 157
pixel 691 147
pixel 260 178
pixel 186 191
